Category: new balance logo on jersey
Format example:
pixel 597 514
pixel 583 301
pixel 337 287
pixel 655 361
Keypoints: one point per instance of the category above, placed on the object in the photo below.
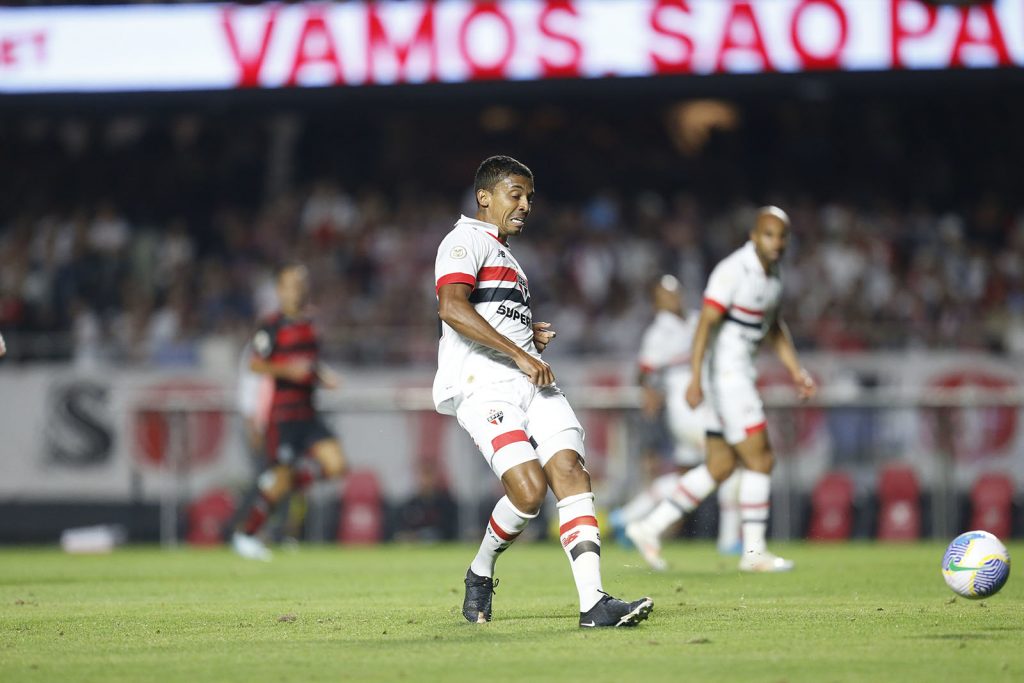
pixel 495 417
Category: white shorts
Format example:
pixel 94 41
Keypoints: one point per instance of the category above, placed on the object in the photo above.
pixel 735 411
pixel 687 426
pixel 513 422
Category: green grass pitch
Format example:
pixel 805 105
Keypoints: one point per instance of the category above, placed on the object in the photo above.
pixel 855 612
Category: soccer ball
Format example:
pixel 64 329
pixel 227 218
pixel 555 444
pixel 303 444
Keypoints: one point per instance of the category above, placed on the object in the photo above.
pixel 976 565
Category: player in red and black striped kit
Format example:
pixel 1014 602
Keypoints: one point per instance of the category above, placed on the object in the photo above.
pixel 300 448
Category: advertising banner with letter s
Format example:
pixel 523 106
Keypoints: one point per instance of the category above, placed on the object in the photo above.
pixel 355 44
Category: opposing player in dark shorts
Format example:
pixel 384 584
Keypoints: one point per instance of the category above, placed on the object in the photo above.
pixel 300 448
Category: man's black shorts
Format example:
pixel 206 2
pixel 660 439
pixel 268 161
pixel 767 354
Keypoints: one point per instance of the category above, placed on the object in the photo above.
pixel 289 441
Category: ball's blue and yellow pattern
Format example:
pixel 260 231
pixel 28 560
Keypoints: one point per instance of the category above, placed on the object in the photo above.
pixel 976 565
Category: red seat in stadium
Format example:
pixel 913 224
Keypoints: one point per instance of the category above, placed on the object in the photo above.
pixel 208 516
pixel 899 504
pixel 832 508
pixel 362 516
pixel 992 504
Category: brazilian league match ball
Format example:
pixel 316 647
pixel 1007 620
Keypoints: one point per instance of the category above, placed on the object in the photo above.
pixel 976 565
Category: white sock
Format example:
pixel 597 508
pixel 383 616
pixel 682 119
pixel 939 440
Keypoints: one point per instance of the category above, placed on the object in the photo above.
pixel 644 502
pixel 504 526
pixel 691 488
pixel 729 511
pixel 581 541
pixel 755 489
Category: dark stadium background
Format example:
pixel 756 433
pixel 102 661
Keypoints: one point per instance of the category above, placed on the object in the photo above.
pixel 911 178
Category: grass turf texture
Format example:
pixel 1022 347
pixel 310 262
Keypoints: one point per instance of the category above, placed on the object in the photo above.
pixel 852 612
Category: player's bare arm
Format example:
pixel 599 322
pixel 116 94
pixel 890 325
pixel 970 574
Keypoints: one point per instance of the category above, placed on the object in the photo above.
pixel 651 400
pixel 782 342
pixel 710 318
pixel 294 371
pixel 3 347
pixel 542 335
pixel 456 310
pixel 327 376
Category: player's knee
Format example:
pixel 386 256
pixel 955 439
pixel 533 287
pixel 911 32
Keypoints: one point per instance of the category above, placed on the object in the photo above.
pixel 273 484
pixel 566 470
pixel 331 458
pixel 720 469
pixel 763 462
pixel 529 498
pixel 526 487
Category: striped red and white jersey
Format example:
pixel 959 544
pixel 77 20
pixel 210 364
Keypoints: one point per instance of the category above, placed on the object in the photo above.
pixel 282 340
pixel 665 351
pixel 749 297
pixel 473 254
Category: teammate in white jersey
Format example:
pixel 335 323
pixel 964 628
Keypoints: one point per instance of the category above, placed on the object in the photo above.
pixel 664 361
pixel 491 377
pixel 741 309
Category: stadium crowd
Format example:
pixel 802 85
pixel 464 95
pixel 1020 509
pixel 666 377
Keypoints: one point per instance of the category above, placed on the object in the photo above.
pixel 136 237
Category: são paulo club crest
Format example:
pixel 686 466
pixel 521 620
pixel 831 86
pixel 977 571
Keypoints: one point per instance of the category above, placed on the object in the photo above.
pixel 495 417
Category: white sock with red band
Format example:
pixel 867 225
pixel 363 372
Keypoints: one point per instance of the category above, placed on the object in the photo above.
pixel 691 489
pixel 581 541
pixel 729 511
pixel 755 489
pixel 504 526
pixel 648 499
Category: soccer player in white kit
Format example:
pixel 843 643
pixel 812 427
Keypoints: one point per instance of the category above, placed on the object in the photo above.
pixel 665 374
pixel 741 309
pixel 491 377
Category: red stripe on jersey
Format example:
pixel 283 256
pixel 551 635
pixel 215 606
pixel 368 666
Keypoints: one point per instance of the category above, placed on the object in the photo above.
pixel 295 333
pixel 754 429
pixel 497 273
pixel 585 520
pixel 501 533
pixel 455 279
pixel 748 311
pixel 502 440
pixel 708 301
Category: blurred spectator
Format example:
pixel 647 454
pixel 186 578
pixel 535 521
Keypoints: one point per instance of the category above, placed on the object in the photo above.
pixel 431 514
pixel 160 235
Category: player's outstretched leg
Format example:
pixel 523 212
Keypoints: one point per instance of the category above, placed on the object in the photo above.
pixel 641 505
pixel 504 526
pixel 692 488
pixel 272 485
pixel 578 533
pixel 755 489
pixel 729 540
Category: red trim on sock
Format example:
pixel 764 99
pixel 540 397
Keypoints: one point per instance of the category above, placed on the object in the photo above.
pixel 585 520
pixel 759 427
pixel 753 506
pixel 502 440
pixel 501 533
pixel 693 499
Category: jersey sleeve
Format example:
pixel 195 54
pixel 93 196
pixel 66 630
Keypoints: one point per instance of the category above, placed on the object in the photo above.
pixel 721 289
pixel 459 259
